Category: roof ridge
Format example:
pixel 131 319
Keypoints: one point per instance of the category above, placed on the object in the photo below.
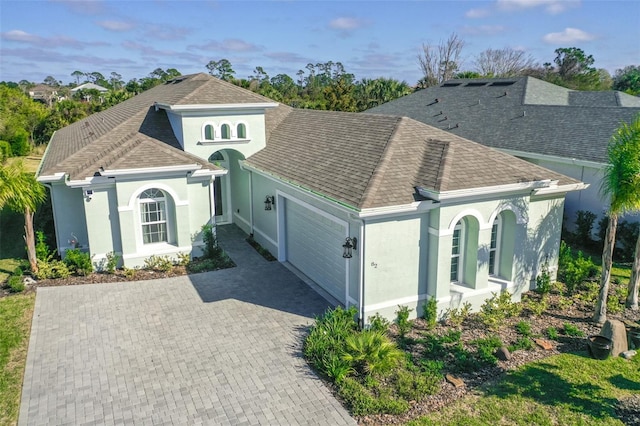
pixel 445 164
pixel 372 185
pixel 115 147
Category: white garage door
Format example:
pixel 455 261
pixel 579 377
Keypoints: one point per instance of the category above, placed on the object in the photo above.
pixel 314 246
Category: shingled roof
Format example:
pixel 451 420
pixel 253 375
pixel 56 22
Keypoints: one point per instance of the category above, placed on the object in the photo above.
pixel 361 160
pixel 123 135
pixel 521 114
pixel 368 160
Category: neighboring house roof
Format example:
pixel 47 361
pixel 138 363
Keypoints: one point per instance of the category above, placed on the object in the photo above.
pixel 362 160
pixel 40 90
pixel 521 114
pixel 89 86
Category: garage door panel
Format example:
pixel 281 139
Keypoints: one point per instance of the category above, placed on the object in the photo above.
pixel 314 246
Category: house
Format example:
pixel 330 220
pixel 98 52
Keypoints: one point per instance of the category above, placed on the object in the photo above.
pixel 378 210
pixel 89 86
pixel 560 129
pixel 43 93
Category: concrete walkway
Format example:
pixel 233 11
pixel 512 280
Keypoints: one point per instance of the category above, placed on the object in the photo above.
pixel 218 348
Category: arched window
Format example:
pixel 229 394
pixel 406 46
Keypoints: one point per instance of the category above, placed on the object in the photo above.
pixel 241 131
pixel 208 132
pixel 153 216
pixel 494 247
pixel 216 156
pixel 457 250
pixel 225 131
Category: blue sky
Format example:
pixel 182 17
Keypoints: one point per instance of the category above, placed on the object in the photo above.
pixel 371 38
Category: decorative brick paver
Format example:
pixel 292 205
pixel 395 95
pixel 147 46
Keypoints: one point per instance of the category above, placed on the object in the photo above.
pixel 219 348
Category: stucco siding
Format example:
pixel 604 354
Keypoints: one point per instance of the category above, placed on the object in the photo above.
pixel 103 235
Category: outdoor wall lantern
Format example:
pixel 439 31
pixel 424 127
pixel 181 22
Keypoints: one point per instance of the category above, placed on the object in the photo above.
pixel 349 245
pixel 269 202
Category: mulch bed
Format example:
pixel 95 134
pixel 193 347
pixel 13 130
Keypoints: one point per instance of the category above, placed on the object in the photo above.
pixel 578 314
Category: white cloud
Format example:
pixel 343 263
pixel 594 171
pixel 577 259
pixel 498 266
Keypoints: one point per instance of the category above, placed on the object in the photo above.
pixel 287 57
pixel 552 7
pixel 51 42
pixel 346 24
pixel 477 13
pixel 117 26
pixel 228 45
pixel 569 35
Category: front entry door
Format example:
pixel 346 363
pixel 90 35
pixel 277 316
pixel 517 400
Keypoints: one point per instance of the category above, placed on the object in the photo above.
pixel 221 189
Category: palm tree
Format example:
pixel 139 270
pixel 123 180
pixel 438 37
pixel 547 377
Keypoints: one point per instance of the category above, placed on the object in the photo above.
pixel 631 134
pixel 621 182
pixel 20 192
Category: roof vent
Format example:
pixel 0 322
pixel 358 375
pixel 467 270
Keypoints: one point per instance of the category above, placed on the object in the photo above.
pixel 451 84
pixel 476 83
pixel 502 83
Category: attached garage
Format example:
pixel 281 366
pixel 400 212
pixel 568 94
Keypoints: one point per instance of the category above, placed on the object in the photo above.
pixel 314 246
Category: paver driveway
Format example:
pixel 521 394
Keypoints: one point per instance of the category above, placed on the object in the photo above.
pixel 214 348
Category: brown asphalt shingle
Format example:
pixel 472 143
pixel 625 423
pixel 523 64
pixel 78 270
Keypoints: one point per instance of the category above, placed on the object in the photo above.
pixel 360 160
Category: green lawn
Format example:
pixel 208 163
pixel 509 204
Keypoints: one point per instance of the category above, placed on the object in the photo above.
pixel 567 389
pixel 15 324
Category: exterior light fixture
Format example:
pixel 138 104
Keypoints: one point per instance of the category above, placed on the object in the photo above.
pixel 349 245
pixel 269 202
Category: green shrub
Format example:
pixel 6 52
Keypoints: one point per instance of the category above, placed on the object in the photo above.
pixel 18 271
pixel 5 151
pixel 414 385
pixel 536 307
pixel 378 323
pixel 184 259
pixel 130 273
pixel 457 316
pixel 564 303
pixel 53 269
pixel 158 263
pixel 571 330
pixel 498 308
pixel 543 280
pixel 201 265
pixel 524 328
pixel 335 367
pixel 211 248
pixel 584 226
pixel 15 284
pixel 371 352
pixel 615 304
pixel 552 333
pixel 574 270
pixel 523 343
pixel 402 320
pixel 486 349
pixel 20 143
pixel 430 312
pixel 432 367
pixel 42 249
pixel 361 400
pixel 78 262
pixel 112 262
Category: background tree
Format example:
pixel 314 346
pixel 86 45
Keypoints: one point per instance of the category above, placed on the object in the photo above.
pixel 51 81
pixel 574 69
pixel 621 183
pixel 20 192
pixel 505 62
pixel 78 75
pixel 627 80
pixel 221 69
pixel 115 81
pixel 440 63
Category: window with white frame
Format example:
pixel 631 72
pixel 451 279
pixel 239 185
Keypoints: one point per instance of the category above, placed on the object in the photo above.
pixel 456 252
pixel 153 216
pixel 241 131
pixel 225 131
pixel 209 132
pixel 494 247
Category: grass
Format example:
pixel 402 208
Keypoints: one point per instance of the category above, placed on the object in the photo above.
pixel 567 389
pixel 31 162
pixel 15 317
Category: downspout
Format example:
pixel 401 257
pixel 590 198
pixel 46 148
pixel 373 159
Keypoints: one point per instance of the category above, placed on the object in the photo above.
pixel 212 205
pixel 251 201
pixel 361 241
pixel 53 209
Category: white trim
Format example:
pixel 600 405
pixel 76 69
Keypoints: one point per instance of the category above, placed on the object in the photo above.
pixel 560 189
pixel 477 193
pixel 135 194
pixel 521 218
pixel 497 249
pixel 217 107
pixel 265 236
pixel 158 249
pixel 553 158
pixel 462 247
pixel 382 212
pixel 395 302
pixel 145 170
pixel 51 178
pixel 315 210
pixel 241 219
pixel 467 212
